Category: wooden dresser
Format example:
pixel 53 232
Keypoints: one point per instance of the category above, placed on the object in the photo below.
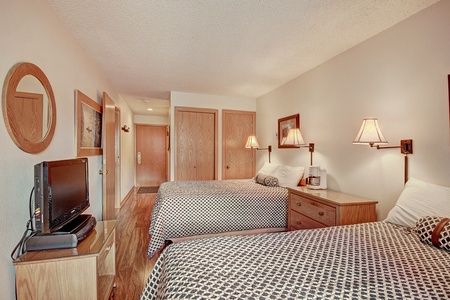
pixel 322 208
pixel 85 272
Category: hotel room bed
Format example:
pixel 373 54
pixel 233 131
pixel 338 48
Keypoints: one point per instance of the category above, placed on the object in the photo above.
pixel 194 208
pixel 365 261
pixel 390 259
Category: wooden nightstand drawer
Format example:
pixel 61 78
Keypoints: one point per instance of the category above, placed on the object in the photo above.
pixel 321 208
pixel 299 221
pixel 315 210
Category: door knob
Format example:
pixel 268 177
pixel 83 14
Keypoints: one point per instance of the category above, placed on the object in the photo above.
pixel 228 167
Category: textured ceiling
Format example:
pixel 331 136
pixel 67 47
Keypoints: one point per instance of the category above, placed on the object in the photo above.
pixel 242 48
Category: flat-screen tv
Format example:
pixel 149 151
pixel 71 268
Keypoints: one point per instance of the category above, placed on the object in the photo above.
pixel 61 190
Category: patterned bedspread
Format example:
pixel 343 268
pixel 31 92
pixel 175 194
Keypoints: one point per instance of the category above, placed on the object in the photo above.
pixel 190 208
pixel 366 261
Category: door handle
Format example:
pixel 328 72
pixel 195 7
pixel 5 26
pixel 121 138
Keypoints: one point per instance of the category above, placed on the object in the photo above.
pixel 139 158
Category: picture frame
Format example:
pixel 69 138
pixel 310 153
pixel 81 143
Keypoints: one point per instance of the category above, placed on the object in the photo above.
pixel 284 124
pixel 88 126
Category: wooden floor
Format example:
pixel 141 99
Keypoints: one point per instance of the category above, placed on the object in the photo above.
pixel 132 265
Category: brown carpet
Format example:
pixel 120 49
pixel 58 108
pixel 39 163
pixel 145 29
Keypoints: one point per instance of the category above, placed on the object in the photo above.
pixel 148 189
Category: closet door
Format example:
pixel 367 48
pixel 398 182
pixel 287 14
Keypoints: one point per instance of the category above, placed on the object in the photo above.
pixel 237 161
pixel 205 146
pixel 195 144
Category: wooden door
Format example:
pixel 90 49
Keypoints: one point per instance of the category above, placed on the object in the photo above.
pixel 27 109
pixel 151 155
pixel 109 125
pixel 205 142
pixel 195 144
pixel 237 161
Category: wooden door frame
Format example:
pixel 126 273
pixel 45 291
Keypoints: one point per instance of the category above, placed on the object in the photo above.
pixel 117 143
pixel 177 110
pixel 109 125
pixel 230 111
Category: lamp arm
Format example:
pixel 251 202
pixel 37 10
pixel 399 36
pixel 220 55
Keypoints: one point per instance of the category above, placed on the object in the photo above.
pixel 310 146
pixel 384 147
pixel 269 149
pixel 406 146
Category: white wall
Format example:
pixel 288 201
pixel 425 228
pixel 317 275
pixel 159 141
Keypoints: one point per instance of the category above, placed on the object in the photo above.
pixel 399 76
pixel 127 148
pixel 210 102
pixel 151 120
pixel 31 32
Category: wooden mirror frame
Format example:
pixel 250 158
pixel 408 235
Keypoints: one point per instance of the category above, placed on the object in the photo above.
pixel 12 80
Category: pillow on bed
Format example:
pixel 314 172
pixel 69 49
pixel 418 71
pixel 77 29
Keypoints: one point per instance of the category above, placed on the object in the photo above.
pixel 289 176
pixel 434 231
pixel 268 169
pixel 266 180
pixel 420 199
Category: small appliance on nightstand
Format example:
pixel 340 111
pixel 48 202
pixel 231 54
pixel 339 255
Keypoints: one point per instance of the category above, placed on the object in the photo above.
pixel 317 178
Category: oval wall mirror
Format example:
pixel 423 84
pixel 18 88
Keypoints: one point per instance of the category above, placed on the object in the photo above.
pixel 29 108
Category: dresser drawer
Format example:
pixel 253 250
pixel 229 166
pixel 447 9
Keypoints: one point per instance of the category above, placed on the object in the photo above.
pixel 106 248
pixel 299 221
pixel 315 210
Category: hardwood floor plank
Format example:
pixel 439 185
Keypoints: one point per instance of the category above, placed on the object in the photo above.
pixel 132 265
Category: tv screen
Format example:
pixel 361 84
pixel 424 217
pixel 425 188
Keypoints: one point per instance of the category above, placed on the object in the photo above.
pixel 61 192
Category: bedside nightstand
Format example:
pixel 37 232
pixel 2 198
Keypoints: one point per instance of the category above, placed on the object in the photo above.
pixel 322 208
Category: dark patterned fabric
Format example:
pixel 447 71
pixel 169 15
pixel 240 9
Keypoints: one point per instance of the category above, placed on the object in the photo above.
pixel 190 208
pixel 266 180
pixel 425 227
pixel 376 260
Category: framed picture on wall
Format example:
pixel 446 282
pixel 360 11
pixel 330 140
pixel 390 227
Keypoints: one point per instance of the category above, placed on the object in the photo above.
pixel 284 124
pixel 89 126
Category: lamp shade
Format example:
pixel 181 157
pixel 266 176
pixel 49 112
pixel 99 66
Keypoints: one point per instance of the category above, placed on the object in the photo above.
pixel 370 133
pixel 252 142
pixel 294 137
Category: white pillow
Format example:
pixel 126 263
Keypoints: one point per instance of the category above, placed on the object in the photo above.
pixel 289 176
pixel 268 169
pixel 420 199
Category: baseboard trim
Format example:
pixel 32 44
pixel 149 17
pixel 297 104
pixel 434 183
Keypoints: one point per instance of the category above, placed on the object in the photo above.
pixel 128 196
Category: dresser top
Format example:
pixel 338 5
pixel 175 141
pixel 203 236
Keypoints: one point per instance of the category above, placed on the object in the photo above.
pixel 331 196
pixel 91 245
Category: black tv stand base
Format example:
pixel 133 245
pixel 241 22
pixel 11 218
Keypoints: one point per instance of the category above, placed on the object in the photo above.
pixel 81 226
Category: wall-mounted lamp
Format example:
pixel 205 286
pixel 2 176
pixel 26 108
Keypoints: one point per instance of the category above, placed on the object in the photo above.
pixel 125 128
pixel 252 143
pixel 295 138
pixel 370 134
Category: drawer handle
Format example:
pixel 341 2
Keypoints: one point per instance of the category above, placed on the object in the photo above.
pixel 299 223
pixel 321 213
pixel 299 204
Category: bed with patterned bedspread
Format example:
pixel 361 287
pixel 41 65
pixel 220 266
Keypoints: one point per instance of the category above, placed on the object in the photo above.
pixel 192 208
pixel 378 260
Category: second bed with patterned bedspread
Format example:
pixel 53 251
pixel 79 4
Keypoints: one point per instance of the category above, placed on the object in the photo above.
pixel 191 208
